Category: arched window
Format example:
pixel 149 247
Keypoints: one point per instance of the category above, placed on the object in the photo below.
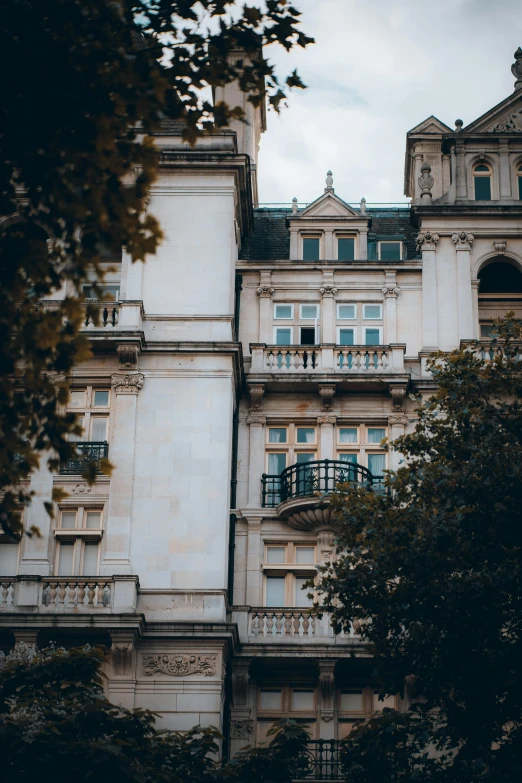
pixel 500 277
pixel 482 181
pixel 519 178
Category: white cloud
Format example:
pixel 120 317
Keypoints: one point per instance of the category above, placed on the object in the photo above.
pixel 377 69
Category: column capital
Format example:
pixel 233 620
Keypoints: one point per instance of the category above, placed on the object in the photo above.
pixel 265 291
pixel 328 290
pixel 127 384
pixel 327 419
pixel 462 240
pixel 390 291
pixel 256 420
pixel 398 418
pixel 427 240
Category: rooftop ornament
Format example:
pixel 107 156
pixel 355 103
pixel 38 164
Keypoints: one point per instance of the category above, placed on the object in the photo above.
pixel 426 182
pixel 363 206
pixel 329 183
pixel 458 125
pixel 294 206
pixel 516 69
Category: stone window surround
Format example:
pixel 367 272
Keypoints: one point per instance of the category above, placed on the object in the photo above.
pixel 290 570
pixel 79 534
pixel 88 411
pixel 483 159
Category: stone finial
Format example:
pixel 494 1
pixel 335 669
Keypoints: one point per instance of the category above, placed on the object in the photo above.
pixel 294 206
pixel 426 182
pixel 329 183
pixel 458 125
pixel 363 206
pixel 516 69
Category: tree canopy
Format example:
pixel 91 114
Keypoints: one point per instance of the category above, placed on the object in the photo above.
pixel 57 725
pixel 87 80
pixel 433 569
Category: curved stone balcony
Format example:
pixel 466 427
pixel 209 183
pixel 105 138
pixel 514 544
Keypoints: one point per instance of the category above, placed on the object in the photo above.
pixel 300 492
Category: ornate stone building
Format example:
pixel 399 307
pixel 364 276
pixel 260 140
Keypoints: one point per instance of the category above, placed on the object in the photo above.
pixel 260 357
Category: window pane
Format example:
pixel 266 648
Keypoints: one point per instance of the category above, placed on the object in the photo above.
pixel 307 335
pixel 389 701
pixel 302 700
pixel 488 331
pixel 65 558
pixel 77 399
pixel 275 554
pixel 348 435
pixel 376 434
pixel 283 337
pixel 346 336
pixel 302 458
pixel 306 435
pixel 309 311
pixel 283 311
pixel 348 458
pixel 68 519
pixel 482 188
pixel 8 559
pixel 304 554
pixel 352 701
pixel 311 249
pixel 101 399
pixel 345 249
pixel 276 463
pixel 277 435
pixel 90 558
pixel 372 337
pixel 270 700
pixel 93 520
pixel 372 312
pixel 346 311
pixel 99 428
pixel 79 423
pixel 275 591
pixel 390 251
pixel 376 464
pixel 301 596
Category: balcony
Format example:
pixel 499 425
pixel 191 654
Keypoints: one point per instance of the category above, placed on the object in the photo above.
pixel 300 492
pixel 89 452
pixel 101 315
pixel 59 594
pixel 324 761
pixel 294 625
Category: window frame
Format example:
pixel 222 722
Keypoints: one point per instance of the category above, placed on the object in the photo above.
pixel 283 304
pixel 482 175
pixel 365 329
pixel 312 235
pixel 371 304
pixel 399 242
pixel 347 304
pixel 518 175
pixel 88 411
pixel 353 237
pixel 284 345
pixel 289 570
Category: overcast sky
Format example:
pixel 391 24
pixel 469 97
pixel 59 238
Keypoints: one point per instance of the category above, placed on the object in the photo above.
pixel 377 69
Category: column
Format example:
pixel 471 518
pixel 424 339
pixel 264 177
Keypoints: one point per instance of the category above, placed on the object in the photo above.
pixel 396 428
pixel 463 242
pixel 121 454
pixel 326 698
pixel 363 244
pixel 326 423
pixel 505 173
pixel 391 292
pixel 475 300
pixel 462 175
pixel 427 242
pixel 328 292
pixel 256 423
pixel 254 557
pixel 265 292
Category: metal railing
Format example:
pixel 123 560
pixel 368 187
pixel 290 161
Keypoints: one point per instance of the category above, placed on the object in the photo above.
pixel 308 478
pixel 88 452
pixel 324 761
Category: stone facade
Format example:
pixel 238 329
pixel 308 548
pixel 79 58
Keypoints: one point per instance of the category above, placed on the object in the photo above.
pixel 258 340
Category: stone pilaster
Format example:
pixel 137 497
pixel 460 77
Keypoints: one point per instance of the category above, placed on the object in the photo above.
pixel 391 292
pixel 326 698
pixel 265 291
pixel 256 462
pixel 427 243
pixel 463 242
pixel 326 424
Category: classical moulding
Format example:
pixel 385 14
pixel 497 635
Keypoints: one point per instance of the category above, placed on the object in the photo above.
pixel 402 420
pixel 241 729
pixel 256 397
pixel 391 290
pixel 81 489
pixel 327 419
pixel 427 240
pixel 500 247
pixel 328 290
pixel 462 240
pixel 265 290
pixel 327 394
pixel 127 384
pixel 127 356
pixel 256 419
pixel 179 665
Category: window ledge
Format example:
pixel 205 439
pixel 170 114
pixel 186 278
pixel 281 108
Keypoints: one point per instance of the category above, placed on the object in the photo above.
pixel 73 533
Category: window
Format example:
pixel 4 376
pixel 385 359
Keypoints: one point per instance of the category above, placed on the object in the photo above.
pixel 482 182
pixel 286 568
pixel 310 248
pixel 348 434
pixel 346 336
pixel 345 249
pixel 519 178
pixel 362 444
pixel 284 312
pixel 372 335
pixel 488 332
pixel 360 332
pixel 376 434
pixel 357 703
pixel 91 407
pixel 78 536
pixel 390 251
pixel 8 556
pixel 346 312
pixel 305 325
pixel 307 335
pixel 283 335
pixel 309 312
pixel 286 446
pixel 278 701
pixel 372 312
pixel 109 292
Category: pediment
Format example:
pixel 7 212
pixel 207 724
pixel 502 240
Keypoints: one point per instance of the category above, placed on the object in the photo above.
pixel 430 125
pixel 328 205
pixel 505 117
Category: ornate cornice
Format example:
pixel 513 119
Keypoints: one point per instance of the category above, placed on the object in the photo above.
pixel 179 665
pixel 427 240
pixel 127 384
pixel 462 240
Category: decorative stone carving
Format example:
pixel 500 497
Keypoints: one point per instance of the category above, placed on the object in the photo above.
pixel 511 123
pixel 294 206
pixel 516 69
pixel 256 418
pixel 256 397
pixel 123 647
pixel 241 729
pixel 391 290
pixel 81 489
pixel 127 356
pixel 398 393
pixel 426 183
pixel 458 125
pixel 329 183
pixel 327 715
pixel 328 290
pixel 57 378
pixel 462 240
pixel 127 384
pixel 179 665
pixel 326 544
pixel 327 394
pixel 327 419
pixel 427 240
pixel 265 290
pixel 500 247
pixel 401 419
pixel 363 206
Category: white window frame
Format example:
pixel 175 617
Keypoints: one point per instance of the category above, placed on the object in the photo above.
pixel 309 304
pixel 290 570
pixel 346 304
pixel 283 304
pixel 88 411
pixel 292 335
pixel 371 304
pixel 79 535
pixel 354 328
pixel 78 556
pixel 390 242
pixel 373 345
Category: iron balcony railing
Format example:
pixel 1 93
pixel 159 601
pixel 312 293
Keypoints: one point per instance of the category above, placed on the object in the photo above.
pixel 324 761
pixel 320 476
pixel 88 452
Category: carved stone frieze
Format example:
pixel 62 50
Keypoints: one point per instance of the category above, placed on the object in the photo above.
pixel 427 240
pixel 462 240
pixel 81 489
pixel 265 290
pixel 241 729
pixel 179 665
pixel 328 290
pixel 127 384
pixel 127 356
pixel 256 397
pixel 391 290
pixel 511 123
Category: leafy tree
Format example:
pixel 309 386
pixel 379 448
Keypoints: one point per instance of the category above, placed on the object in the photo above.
pixel 86 78
pixel 434 569
pixel 57 725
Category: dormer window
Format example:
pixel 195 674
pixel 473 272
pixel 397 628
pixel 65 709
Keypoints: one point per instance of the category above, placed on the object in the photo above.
pixel 311 248
pixel 390 251
pixel 482 182
pixel 519 178
pixel 346 249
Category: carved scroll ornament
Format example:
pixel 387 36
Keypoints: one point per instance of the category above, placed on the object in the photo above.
pixel 179 665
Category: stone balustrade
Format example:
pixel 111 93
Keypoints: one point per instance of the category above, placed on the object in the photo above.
pixel 110 594
pixel 101 315
pixel 340 360
pixel 287 624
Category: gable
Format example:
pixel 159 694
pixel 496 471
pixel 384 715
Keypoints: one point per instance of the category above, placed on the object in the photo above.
pixel 328 205
pixel 505 117
pixel 430 125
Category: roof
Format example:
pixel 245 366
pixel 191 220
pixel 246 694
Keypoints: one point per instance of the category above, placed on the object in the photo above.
pixel 270 238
